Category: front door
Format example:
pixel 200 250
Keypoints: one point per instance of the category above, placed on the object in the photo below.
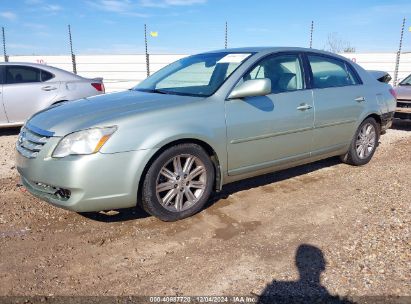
pixel 24 93
pixel 265 131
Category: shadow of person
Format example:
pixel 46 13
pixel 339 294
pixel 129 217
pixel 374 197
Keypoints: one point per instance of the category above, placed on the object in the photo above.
pixel 311 263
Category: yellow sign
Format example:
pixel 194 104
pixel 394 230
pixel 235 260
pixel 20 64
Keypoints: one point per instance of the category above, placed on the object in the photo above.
pixel 154 34
pixel 409 29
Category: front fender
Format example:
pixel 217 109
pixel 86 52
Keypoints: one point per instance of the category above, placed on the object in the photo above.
pixel 215 141
pixel 163 138
pixel 158 129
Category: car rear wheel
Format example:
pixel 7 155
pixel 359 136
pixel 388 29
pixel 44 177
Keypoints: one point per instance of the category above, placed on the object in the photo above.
pixel 178 183
pixel 364 143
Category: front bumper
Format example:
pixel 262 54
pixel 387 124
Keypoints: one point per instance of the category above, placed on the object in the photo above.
pixel 93 182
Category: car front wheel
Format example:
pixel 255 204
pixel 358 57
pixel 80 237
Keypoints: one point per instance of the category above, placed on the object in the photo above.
pixel 178 183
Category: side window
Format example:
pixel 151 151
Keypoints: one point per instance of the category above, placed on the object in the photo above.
pixel 284 71
pixel 46 75
pixel 1 74
pixel 22 74
pixel 328 72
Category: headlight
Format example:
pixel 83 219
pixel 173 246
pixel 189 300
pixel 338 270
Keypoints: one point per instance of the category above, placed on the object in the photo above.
pixel 83 142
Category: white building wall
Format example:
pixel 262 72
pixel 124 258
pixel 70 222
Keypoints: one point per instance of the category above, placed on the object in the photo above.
pixel 121 72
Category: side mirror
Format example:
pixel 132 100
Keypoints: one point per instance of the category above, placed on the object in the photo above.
pixel 249 88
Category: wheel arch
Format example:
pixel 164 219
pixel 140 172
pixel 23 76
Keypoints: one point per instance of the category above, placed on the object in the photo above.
pixel 377 118
pixel 207 148
pixel 58 101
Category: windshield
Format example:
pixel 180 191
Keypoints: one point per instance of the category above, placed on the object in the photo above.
pixel 406 81
pixel 198 75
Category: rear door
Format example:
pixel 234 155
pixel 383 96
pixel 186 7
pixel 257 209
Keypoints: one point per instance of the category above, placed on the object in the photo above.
pixel 24 92
pixel 339 100
pixel 3 117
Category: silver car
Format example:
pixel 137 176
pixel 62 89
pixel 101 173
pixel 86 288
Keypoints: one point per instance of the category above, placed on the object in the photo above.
pixel 26 88
pixel 200 123
pixel 403 91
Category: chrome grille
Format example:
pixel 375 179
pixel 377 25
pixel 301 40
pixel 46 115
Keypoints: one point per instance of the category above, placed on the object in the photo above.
pixel 30 143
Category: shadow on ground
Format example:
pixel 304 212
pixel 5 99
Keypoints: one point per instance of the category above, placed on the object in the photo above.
pixel 9 131
pixel 137 213
pixel 403 125
pixel 274 177
pixel 121 215
pixel 310 262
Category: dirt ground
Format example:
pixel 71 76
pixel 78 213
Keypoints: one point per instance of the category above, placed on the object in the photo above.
pixel 345 230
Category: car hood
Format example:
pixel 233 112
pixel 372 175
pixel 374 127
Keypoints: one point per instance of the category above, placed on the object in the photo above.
pixel 96 111
pixel 403 92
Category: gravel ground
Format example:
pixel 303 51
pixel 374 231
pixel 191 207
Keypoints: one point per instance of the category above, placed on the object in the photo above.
pixel 325 228
pixel 8 138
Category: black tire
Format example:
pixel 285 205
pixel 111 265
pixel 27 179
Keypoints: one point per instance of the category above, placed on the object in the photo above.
pixel 151 200
pixel 352 157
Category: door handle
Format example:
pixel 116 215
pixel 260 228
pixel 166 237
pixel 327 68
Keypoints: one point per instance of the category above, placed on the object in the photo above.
pixel 48 88
pixel 303 107
pixel 360 99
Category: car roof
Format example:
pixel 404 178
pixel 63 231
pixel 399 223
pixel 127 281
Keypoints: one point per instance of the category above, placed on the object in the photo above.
pixel 56 71
pixel 255 49
pixel 274 49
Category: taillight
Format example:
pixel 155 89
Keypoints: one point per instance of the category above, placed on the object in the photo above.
pixel 393 93
pixel 98 86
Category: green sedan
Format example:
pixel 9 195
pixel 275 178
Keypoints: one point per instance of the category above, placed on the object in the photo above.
pixel 200 123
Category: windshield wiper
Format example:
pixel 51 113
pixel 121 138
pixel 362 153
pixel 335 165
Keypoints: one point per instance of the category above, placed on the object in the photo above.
pixel 166 92
pixel 158 91
pixel 162 91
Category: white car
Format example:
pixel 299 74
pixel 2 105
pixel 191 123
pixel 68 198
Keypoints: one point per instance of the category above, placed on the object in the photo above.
pixel 26 88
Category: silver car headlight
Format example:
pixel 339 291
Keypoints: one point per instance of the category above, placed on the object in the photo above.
pixel 83 142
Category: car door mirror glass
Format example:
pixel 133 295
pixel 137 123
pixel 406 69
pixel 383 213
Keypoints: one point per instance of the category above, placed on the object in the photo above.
pixel 249 88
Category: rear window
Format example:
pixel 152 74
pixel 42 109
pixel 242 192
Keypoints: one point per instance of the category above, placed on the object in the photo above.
pixel 329 72
pixel 406 81
pixel 46 75
pixel 22 74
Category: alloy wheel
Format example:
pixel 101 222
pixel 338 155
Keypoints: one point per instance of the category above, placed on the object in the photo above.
pixel 366 141
pixel 181 182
